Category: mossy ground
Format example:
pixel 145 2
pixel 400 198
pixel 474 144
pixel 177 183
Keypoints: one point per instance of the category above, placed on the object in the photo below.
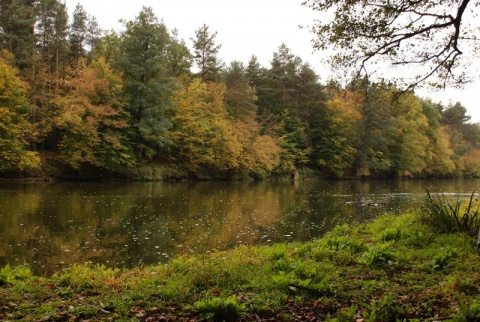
pixel 395 268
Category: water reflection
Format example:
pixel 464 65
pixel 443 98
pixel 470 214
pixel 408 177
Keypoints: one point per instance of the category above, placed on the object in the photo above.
pixel 52 225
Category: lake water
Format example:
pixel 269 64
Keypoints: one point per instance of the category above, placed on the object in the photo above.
pixel 122 224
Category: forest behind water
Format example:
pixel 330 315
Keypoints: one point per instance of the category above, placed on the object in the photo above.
pixel 80 102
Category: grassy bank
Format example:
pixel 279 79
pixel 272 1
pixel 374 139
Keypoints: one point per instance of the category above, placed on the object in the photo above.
pixel 396 268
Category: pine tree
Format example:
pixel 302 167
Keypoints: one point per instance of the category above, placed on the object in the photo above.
pixel 205 54
pixel 78 34
pixel 17 20
pixel 148 85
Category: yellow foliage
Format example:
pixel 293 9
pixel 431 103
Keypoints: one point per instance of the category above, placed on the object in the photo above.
pixel 471 163
pixel 91 116
pixel 206 138
pixel 14 129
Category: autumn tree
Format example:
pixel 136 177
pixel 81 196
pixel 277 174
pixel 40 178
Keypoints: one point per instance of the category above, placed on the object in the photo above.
pixel 429 38
pixel 461 135
pixel 260 152
pixel 202 134
pixel 14 129
pixel 333 133
pixel 92 120
pixel 410 140
pixel 438 152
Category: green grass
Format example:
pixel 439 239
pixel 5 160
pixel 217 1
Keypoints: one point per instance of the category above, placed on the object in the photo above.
pixel 395 268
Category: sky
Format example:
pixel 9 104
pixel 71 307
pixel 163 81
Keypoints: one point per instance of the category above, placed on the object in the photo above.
pixel 250 27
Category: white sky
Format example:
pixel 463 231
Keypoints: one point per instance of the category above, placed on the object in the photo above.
pixel 247 27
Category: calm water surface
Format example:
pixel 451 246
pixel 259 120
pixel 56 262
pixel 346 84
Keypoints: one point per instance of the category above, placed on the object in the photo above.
pixel 53 225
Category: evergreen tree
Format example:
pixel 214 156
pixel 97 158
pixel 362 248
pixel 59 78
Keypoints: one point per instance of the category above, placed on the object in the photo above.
pixel 205 54
pixel 179 57
pixel 17 20
pixel 374 131
pixel 94 32
pixel 78 33
pixel 148 85
pixel 240 96
pixel 51 31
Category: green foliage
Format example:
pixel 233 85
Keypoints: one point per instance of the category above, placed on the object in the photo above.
pixel 294 142
pixel 309 285
pixel 392 234
pixel 282 280
pixel 220 309
pixel 374 131
pixel 468 312
pixel 385 309
pixel 339 243
pixel 251 121
pixel 240 96
pixel 379 256
pixel 9 275
pixel 205 54
pixel 87 277
pixel 448 217
pixel 443 258
pixel 148 84
pixel 344 315
pixel 16 21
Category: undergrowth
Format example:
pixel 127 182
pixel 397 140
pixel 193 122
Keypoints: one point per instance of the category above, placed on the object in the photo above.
pixel 395 268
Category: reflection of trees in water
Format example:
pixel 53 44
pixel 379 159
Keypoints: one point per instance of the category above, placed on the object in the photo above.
pixel 125 224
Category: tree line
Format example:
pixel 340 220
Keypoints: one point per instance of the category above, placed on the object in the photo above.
pixel 79 100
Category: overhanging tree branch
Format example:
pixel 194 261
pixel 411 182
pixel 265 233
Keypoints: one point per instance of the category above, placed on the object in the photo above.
pixel 431 35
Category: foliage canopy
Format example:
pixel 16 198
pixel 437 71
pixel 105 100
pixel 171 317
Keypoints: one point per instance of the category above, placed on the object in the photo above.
pixel 430 37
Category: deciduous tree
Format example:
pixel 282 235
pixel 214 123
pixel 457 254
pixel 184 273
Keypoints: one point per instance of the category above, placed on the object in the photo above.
pixel 202 135
pixel 333 136
pixel 14 129
pixel 431 37
pixel 92 120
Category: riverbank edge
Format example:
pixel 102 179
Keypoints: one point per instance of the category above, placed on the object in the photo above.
pixel 392 268
pixel 52 169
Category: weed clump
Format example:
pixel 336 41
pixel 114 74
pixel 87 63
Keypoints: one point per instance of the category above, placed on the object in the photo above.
pixel 449 217
pixel 220 308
